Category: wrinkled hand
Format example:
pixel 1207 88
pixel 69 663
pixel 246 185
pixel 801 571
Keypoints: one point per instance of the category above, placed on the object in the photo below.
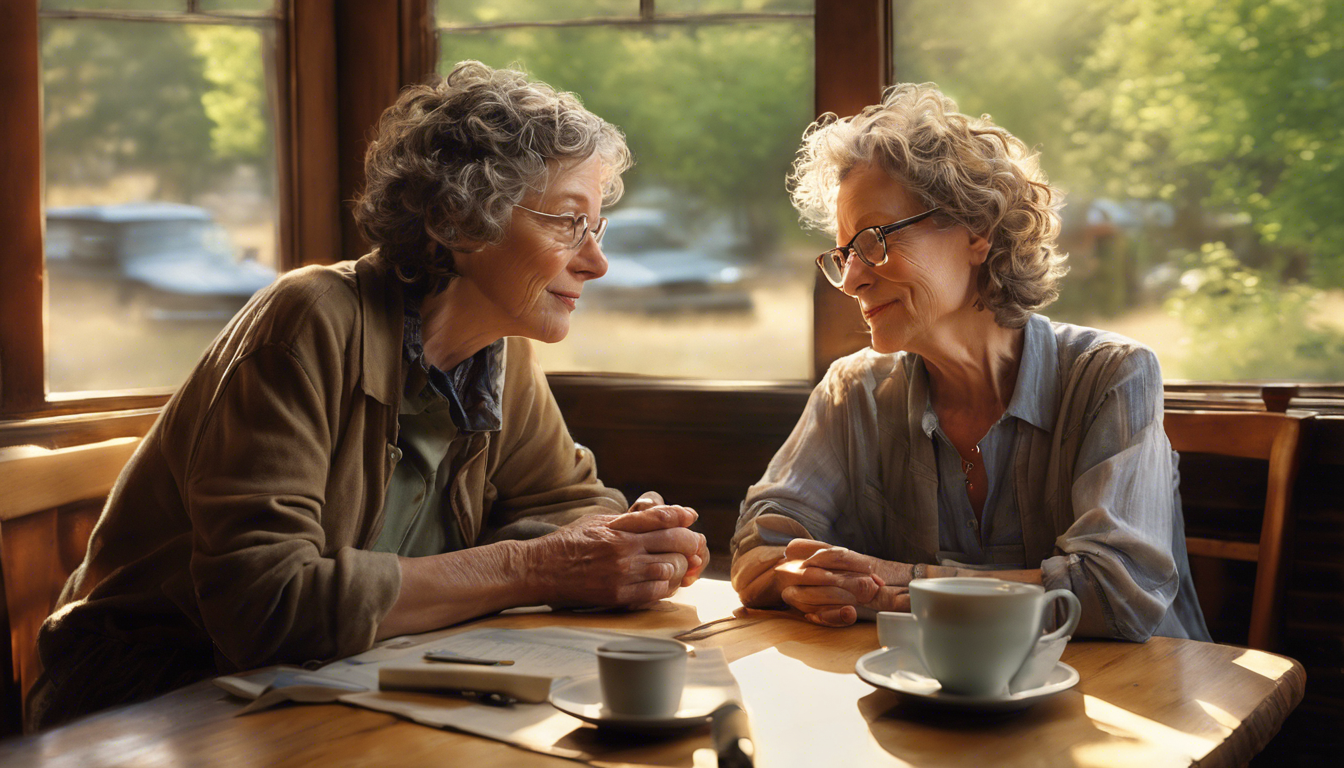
pixel 624 560
pixel 697 562
pixel 829 583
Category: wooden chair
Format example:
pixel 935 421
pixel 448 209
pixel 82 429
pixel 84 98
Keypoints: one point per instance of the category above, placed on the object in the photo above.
pixel 1275 437
pixel 44 532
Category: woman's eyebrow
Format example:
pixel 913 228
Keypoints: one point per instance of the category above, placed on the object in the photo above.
pixel 574 199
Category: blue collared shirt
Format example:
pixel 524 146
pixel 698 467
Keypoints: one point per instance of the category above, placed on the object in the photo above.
pixel 1083 479
pixel 995 540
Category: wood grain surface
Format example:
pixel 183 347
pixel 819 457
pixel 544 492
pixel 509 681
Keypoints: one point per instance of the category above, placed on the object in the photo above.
pixel 1162 703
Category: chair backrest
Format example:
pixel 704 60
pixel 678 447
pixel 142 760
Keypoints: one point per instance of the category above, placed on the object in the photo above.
pixel 40 542
pixel 1277 438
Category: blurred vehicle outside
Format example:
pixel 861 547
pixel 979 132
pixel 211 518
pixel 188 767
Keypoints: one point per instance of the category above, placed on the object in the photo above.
pixel 157 261
pixel 657 265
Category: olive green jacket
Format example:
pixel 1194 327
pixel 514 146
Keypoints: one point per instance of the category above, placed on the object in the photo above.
pixel 242 524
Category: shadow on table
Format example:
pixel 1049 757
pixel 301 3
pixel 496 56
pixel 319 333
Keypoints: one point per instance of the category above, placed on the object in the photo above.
pixel 919 734
pixel 670 748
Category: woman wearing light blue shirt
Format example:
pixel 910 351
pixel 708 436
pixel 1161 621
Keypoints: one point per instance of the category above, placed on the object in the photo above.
pixel 974 437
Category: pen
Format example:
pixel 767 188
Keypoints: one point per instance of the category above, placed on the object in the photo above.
pixel 731 734
pixel 491 698
pixel 450 657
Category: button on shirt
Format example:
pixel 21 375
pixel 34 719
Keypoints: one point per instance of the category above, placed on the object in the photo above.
pixel 439 413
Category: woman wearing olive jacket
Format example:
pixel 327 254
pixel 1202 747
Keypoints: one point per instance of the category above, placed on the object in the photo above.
pixel 371 449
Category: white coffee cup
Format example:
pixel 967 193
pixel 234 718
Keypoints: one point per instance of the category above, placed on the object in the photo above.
pixel 642 677
pixel 974 634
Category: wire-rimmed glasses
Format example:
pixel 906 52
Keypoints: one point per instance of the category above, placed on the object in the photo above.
pixel 869 244
pixel 578 224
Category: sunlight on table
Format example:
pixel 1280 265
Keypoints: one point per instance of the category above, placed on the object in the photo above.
pixel 787 697
pixel 1220 715
pixel 1149 739
pixel 1265 664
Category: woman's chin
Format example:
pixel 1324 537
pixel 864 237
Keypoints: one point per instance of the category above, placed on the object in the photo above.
pixel 552 332
pixel 888 343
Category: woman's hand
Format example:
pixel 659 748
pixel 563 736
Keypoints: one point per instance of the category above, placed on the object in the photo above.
pixel 626 560
pixel 697 562
pixel 829 583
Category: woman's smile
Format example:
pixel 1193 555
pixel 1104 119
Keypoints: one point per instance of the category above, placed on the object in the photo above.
pixel 871 312
pixel 570 300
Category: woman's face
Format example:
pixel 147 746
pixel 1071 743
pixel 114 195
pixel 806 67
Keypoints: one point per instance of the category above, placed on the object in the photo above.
pixel 929 275
pixel 532 280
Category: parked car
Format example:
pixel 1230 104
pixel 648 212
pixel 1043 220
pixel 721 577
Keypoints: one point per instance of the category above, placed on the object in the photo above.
pixel 163 261
pixel 654 267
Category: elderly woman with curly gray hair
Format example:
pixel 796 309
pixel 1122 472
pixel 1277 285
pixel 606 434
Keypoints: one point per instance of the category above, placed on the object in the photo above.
pixel 371 449
pixel 975 437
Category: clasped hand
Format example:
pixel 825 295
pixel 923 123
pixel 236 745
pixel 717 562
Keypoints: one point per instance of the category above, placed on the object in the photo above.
pixel 632 559
pixel 828 583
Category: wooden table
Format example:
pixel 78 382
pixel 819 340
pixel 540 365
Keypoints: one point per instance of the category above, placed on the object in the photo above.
pixel 1163 703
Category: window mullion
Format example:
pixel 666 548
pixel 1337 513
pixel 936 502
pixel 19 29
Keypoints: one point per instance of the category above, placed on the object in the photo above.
pixel 846 83
pixel 22 325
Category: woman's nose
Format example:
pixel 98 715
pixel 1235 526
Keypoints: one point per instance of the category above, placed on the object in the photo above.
pixel 589 262
pixel 856 276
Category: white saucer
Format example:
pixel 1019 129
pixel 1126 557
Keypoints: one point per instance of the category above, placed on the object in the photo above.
pixel 582 698
pixel 880 668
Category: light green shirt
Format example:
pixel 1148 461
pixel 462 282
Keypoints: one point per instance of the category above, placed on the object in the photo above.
pixel 418 521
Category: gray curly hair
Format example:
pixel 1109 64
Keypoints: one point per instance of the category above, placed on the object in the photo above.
pixel 456 154
pixel 980 175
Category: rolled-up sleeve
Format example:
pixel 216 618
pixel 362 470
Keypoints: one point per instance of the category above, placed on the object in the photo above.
pixel 267 590
pixel 1116 556
pixel 808 480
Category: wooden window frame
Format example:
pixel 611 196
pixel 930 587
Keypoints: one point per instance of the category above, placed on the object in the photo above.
pixel 338 66
pixel 304 104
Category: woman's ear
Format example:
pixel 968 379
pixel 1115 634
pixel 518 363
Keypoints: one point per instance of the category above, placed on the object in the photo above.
pixel 979 247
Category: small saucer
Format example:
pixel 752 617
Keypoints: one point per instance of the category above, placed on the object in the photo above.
pixel 881 668
pixel 582 698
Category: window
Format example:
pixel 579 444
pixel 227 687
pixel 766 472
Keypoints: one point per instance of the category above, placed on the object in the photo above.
pixel 160 182
pixel 1198 144
pixel 710 276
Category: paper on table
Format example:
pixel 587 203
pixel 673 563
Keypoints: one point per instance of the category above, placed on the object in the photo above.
pixel 538 727
pixel 549 651
pixel 557 652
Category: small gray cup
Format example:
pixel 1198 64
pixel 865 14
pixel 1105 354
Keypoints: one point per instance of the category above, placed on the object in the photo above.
pixel 642 677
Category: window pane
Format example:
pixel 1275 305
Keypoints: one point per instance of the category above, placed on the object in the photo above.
pixel 709 274
pixel 114 5
pixel 160 194
pixel 1202 163
pixel 478 12
pixel 732 6
pixel 237 6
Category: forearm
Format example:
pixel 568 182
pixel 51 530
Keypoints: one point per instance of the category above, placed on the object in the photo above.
pixel 445 589
pixel 1026 576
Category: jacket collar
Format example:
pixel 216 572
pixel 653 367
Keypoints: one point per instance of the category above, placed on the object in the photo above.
pixel 383 311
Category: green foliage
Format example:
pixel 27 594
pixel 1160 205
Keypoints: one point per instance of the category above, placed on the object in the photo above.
pixel 1222 105
pixel 231 61
pixel 712 111
pixel 122 95
pixel 1246 323
pixel 182 102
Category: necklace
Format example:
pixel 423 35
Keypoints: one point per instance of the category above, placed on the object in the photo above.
pixel 967 466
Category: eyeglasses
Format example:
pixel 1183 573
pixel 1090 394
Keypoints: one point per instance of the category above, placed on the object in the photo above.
pixel 870 245
pixel 578 225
